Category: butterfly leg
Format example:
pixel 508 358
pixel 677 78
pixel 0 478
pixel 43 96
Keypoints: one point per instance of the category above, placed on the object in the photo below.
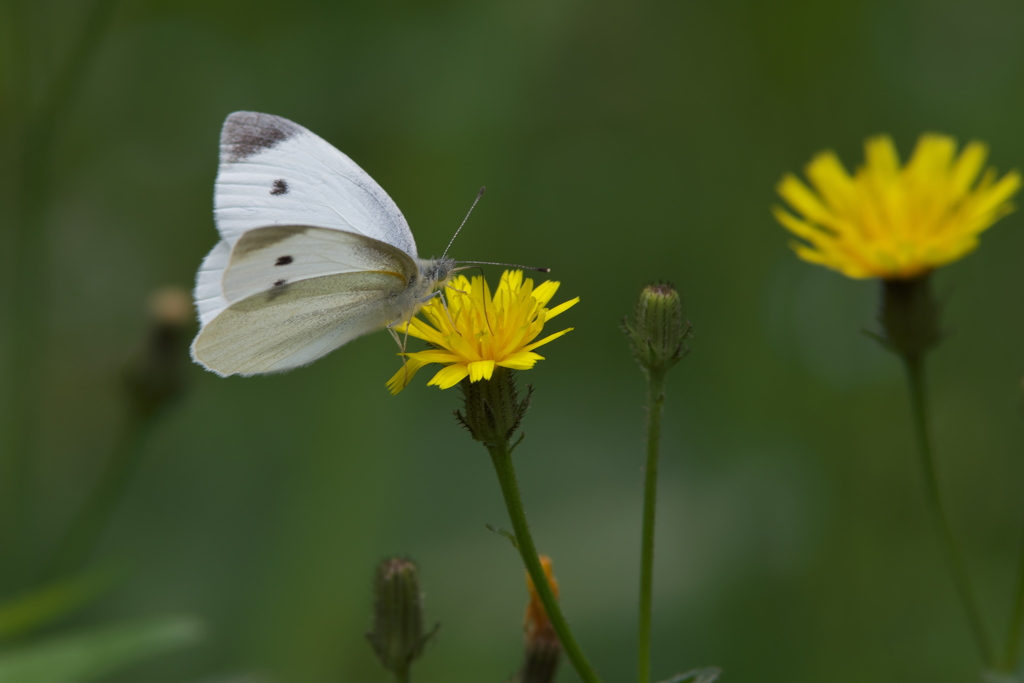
pixel 444 302
pixel 403 344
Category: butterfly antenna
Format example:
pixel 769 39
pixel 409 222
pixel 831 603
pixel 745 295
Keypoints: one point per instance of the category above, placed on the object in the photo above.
pixel 507 265
pixel 478 196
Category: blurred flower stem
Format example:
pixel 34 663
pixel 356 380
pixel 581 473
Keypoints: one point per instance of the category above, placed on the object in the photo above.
pixel 1012 658
pixel 80 538
pixel 914 367
pixel 27 261
pixel 910 318
pixel 152 381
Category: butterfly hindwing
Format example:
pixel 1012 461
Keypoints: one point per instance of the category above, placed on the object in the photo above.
pixel 296 323
pixel 209 294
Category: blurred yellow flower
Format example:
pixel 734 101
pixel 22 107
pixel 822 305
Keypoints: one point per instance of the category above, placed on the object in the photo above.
pixel 891 222
pixel 477 332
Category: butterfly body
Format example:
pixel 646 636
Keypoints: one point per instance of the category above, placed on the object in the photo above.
pixel 313 253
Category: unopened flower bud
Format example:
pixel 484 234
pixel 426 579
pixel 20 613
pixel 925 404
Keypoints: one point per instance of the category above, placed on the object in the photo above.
pixel 154 376
pixel 658 334
pixel 397 636
pixel 543 650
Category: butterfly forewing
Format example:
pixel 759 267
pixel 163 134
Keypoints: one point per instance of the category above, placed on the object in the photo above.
pixel 275 172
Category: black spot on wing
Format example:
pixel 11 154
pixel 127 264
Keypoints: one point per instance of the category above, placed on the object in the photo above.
pixel 280 287
pixel 246 133
pixel 283 260
pixel 280 187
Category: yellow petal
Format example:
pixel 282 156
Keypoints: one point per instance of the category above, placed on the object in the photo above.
pixel 831 181
pixel 400 379
pixel 549 338
pixel 448 376
pixel 802 199
pixel 561 308
pixel 481 369
pixel 524 360
pixel 966 169
pixel 545 291
pixel 881 156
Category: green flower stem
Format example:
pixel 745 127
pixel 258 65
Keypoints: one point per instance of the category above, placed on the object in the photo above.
pixel 655 403
pixel 914 366
pixel 501 456
pixel 1016 624
pixel 402 675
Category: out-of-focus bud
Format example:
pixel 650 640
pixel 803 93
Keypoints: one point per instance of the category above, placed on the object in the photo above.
pixel 543 651
pixel 397 636
pixel 154 376
pixel 658 334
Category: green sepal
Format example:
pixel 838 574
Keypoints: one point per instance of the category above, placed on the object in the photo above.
pixel 493 409
pixel 909 316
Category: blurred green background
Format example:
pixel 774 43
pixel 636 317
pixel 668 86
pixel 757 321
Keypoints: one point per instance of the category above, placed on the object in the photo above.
pixel 621 142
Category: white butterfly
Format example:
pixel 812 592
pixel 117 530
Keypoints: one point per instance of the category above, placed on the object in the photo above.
pixel 313 253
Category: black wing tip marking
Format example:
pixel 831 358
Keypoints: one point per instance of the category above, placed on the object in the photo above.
pixel 246 133
pixel 280 187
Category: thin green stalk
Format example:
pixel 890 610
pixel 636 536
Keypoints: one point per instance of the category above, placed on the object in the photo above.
pixel 85 530
pixel 501 456
pixel 27 234
pixel 655 403
pixel 914 365
pixel 1016 623
pixel 13 433
pixel 402 675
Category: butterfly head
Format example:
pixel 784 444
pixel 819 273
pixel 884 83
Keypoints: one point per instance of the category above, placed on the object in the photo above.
pixel 438 271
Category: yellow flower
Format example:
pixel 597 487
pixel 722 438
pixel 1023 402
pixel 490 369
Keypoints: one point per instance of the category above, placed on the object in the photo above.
pixel 476 332
pixel 891 222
